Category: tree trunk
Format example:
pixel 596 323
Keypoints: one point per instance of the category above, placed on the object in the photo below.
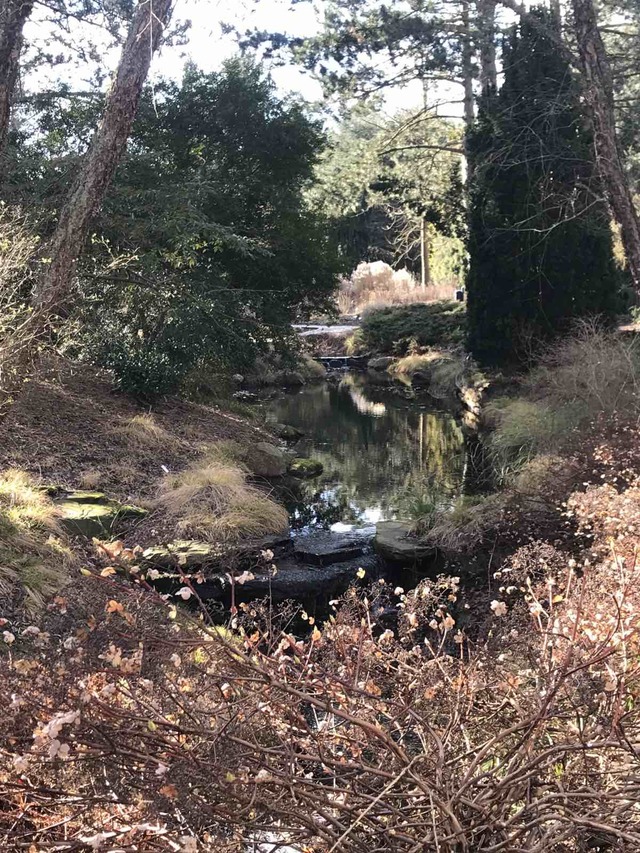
pixel 598 88
pixel 467 66
pixel 487 46
pixel 13 16
pixel 103 156
pixel 424 254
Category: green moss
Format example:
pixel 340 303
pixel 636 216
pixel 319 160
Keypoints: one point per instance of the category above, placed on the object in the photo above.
pixel 304 468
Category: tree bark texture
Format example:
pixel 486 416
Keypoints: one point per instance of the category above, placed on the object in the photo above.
pixel 104 154
pixel 467 66
pixel 598 89
pixel 13 16
pixel 487 45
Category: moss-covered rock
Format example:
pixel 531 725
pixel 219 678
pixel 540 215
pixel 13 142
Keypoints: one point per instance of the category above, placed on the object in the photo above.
pixel 287 431
pixel 305 468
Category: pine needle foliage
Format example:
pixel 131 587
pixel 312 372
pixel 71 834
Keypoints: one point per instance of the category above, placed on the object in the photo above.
pixel 540 241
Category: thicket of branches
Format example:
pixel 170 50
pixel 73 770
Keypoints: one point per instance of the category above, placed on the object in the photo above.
pixel 132 725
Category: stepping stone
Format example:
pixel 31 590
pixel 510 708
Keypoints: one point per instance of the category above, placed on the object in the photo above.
pixel 323 547
pixel 394 543
pixel 93 514
pixel 305 468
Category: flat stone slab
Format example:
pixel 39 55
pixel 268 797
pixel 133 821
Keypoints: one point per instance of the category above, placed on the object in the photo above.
pixel 192 554
pixel 93 514
pixel 185 553
pixel 323 547
pixel 393 543
pixel 381 362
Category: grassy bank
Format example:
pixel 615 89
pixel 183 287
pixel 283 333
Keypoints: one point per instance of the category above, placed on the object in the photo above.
pixel 70 431
pixel 547 438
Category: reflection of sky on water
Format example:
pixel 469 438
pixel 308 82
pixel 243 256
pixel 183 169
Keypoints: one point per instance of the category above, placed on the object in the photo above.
pixel 384 457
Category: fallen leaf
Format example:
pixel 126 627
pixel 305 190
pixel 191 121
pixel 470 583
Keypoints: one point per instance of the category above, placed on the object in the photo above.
pixel 169 791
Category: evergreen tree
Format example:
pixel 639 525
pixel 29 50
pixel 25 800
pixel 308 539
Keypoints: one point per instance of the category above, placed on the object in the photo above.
pixel 539 231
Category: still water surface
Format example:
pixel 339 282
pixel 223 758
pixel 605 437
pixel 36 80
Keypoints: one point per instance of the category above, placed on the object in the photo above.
pixel 384 456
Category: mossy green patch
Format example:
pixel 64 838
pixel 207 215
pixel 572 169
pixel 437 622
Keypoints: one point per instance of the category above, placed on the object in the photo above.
pixel 305 468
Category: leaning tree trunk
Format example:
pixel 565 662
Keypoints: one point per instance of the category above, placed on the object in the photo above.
pixel 598 88
pixel 13 16
pixel 103 156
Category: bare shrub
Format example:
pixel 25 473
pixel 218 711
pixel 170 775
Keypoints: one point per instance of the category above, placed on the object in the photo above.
pixel 592 374
pixel 354 738
pixel 595 367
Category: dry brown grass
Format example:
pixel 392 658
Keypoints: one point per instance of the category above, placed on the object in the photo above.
pixel 465 526
pixel 213 501
pixel 547 477
pixel 587 376
pixel 69 425
pixel 90 479
pixel 34 559
pixel 143 431
pixel 595 368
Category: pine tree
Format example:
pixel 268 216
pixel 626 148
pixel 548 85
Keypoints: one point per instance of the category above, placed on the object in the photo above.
pixel 540 241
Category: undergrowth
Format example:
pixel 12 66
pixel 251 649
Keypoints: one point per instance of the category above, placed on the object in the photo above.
pixel 376 285
pixel 357 736
pixel 583 377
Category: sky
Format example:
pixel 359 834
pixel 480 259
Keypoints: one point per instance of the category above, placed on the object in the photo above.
pixel 208 46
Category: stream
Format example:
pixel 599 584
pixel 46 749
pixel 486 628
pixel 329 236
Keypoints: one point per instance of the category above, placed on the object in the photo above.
pixel 385 456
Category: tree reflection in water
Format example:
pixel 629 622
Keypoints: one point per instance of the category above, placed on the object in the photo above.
pixel 384 457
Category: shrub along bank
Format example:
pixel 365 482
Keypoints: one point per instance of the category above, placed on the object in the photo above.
pixel 398 329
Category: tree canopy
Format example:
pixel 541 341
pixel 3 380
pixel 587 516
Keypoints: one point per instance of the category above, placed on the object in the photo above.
pixel 205 247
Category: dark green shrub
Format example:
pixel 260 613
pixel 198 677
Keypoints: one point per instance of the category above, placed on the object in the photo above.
pixel 397 329
pixel 540 244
